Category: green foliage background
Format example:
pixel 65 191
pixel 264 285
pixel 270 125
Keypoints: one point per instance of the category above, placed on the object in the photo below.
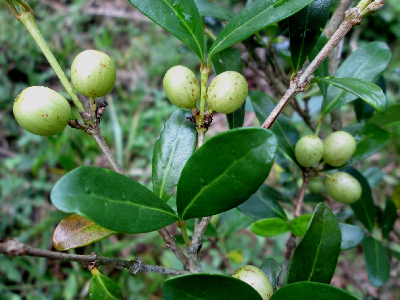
pixel 142 52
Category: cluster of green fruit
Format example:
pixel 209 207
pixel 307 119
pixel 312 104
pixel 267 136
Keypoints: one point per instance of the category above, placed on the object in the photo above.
pixel 336 150
pixel 226 93
pixel 43 111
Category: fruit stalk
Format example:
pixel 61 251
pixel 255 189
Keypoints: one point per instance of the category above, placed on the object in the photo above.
pixel 27 18
pixel 201 130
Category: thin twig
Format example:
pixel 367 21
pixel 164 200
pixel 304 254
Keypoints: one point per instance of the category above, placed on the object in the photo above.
pixel 353 17
pixel 172 245
pixel 196 243
pixel 301 195
pixel 337 18
pixel 13 247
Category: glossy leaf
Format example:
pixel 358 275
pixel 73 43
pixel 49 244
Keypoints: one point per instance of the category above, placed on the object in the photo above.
pixel 179 17
pixel 388 218
pixel 352 236
pixel 103 288
pixel 316 256
pixel 369 92
pixel 207 287
pixel 390 116
pixel 363 110
pixel 208 9
pixel 232 221
pixel 369 138
pixel 76 231
pixel 323 69
pixel 111 200
pixel 364 208
pixel 271 268
pixel 305 28
pixel 366 63
pixel 261 206
pixel 270 227
pixel 176 144
pixel 299 225
pixel 225 171
pixel 307 290
pixel 256 16
pixel 376 261
pixel 230 60
pixel 283 127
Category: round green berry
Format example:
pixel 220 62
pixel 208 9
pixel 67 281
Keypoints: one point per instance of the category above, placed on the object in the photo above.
pixel 339 147
pixel 93 73
pixel 41 111
pixel 315 186
pixel 343 188
pixel 257 279
pixel 181 87
pixel 309 150
pixel 227 92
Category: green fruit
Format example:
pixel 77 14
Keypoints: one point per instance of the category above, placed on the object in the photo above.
pixel 309 150
pixel 181 87
pixel 343 188
pixel 93 73
pixel 257 279
pixel 41 111
pixel 315 186
pixel 339 147
pixel 227 92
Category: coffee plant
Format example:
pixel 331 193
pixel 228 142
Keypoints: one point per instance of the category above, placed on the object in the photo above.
pixel 226 174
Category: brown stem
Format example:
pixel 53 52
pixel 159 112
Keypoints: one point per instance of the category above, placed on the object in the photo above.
pixel 353 17
pixel 337 18
pixel 196 243
pixel 172 245
pixel 12 247
pixel 301 195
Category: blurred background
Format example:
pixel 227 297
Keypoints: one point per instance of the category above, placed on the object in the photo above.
pixel 138 108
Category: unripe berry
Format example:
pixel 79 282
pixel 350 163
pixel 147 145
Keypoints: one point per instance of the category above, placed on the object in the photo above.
pixel 41 111
pixel 309 150
pixel 93 73
pixel 181 87
pixel 315 186
pixel 339 147
pixel 343 188
pixel 227 92
pixel 257 279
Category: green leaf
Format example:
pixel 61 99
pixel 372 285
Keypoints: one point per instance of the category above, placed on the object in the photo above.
pixel 179 17
pixel 230 60
pixel 232 221
pixel 207 287
pixel 376 261
pixel 225 171
pixel 363 208
pixel 311 290
pixel 103 288
pixel 283 127
pixel 392 115
pixel 76 231
pixel 271 268
pixel 369 92
pixel 270 227
pixel 111 200
pixel 369 138
pixel 299 225
pixel 261 206
pixel 363 110
pixel 388 218
pixel 256 16
pixel 207 9
pixel 352 236
pixel 305 28
pixel 367 63
pixel 323 69
pixel 395 254
pixel 316 256
pixel 176 144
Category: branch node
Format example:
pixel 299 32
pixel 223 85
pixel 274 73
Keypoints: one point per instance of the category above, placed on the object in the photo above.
pixel 136 266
